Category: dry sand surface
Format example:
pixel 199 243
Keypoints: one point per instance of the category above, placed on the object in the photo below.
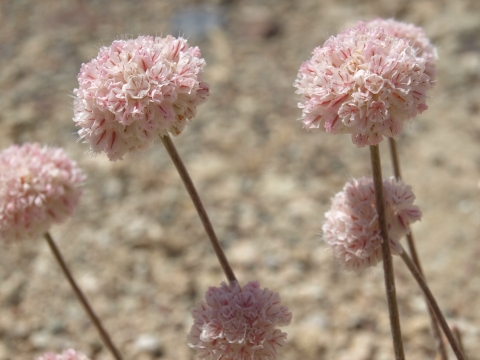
pixel 136 245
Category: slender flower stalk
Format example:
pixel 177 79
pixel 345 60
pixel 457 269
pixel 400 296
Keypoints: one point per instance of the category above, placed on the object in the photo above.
pixel 136 90
pixel 458 336
pixel 187 181
pixel 434 306
pixel 387 256
pixel 83 300
pixel 416 260
pixel 40 186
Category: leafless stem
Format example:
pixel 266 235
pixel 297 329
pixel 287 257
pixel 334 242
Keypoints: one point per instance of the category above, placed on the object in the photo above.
pixel 433 305
pixel 458 335
pixel 416 260
pixel 187 181
pixel 83 300
pixel 387 256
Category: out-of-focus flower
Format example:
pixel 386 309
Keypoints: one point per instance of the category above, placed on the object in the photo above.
pixel 415 35
pixel 352 229
pixel 235 323
pixel 69 354
pixel 362 82
pixel 38 186
pixel 136 90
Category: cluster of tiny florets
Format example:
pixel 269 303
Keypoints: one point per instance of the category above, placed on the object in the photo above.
pixel 69 354
pixel 136 90
pixel 416 37
pixel 351 228
pixel 362 82
pixel 239 323
pixel 38 186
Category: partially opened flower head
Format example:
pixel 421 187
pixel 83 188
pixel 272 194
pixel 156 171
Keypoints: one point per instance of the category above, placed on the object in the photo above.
pixel 69 354
pixel 136 90
pixel 362 82
pixel 351 228
pixel 415 35
pixel 38 186
pixel 239 323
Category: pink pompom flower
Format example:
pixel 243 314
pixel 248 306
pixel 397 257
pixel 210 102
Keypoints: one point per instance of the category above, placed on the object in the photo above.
pixel 362 82
pixel 239 323
pixel 415 35
pixel 136 90
pixel 38 186
pixel 69 354
pixel 351 228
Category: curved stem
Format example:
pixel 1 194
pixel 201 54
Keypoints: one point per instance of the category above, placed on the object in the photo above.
pixel 387 255
pixel 187 181
pixel 416 260
pixel 433 305
pixel 83 300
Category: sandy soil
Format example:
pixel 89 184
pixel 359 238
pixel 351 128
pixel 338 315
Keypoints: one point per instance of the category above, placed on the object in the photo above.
pixel 136 245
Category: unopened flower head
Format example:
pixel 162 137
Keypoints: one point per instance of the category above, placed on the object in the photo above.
pixel 362 82
pixel 239 323
pixel 136 90
pixel 351 228
pixel 38 186
pixel 69 354
pixel 415 35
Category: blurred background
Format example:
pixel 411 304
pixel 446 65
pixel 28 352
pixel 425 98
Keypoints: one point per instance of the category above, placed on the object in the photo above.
pixel 136 245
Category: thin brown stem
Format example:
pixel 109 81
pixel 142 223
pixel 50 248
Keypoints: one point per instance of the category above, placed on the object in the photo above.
pixel 187 181
pixel 387 255
pixel 83 300
pixel 433 305
pixel 394 156
pixel 416 260
pixel 458 335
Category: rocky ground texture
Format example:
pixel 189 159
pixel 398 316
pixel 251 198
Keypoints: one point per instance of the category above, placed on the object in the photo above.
pixel 136 245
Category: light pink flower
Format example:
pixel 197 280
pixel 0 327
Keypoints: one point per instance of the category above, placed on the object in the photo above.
pixel 352 229
pixel 236 323
pixel 415 35
pixel 69 354
pixel 136 90
pixel 362 82
pixel 38 186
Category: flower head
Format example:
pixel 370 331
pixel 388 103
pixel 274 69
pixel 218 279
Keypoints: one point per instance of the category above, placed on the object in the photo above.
pixel 38 186
pixel 415 35
pixel 362 82
pixel 136 90
pixel 352 229
pixel 69 354
pixel 239 323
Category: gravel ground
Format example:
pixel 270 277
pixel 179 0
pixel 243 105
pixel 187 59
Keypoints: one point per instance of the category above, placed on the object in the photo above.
pixel 136 245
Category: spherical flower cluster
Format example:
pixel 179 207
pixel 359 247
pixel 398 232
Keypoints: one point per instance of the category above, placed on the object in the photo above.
pixel 69 354
pixel 38 186
pixel 236 323
pixel 136 90
pixel 362 82
pixel 351 228
pixel 415 35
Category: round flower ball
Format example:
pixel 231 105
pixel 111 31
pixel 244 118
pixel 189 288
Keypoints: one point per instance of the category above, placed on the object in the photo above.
pixel 362 82
pixel 38 186
pixel 69 354
pixel 136 90
pixel 416 37
pixel 351 228
pixel 239 323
